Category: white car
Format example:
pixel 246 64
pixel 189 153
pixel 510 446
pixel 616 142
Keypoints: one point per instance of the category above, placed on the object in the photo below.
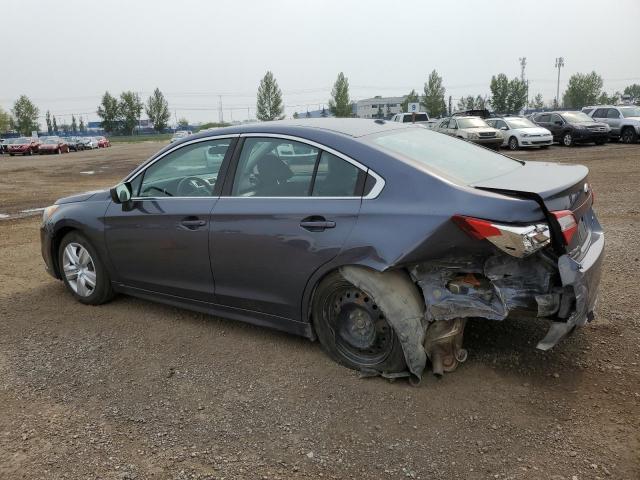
pixel 421 118
pixel 179 135
pixel 519 132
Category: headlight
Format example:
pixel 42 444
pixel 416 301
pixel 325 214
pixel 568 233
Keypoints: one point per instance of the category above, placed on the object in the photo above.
pixel 46 214
pixel 525 135
pixel 472 135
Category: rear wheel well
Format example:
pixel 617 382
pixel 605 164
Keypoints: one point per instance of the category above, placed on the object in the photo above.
pixel 55 246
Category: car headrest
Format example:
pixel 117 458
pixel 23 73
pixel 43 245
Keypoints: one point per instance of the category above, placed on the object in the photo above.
pixel 272 169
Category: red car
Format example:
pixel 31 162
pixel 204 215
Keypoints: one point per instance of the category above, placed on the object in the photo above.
pixel 103 142
pixel 24 146
pixel 53 145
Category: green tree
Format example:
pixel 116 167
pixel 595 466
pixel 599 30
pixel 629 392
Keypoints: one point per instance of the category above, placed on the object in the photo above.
pixel 269 104
pixel 48 120
pixel 537 102
pixel 5 120
pixel 467 103
pixel 499 87
pixel 295 115
pixel 433 98
pixel 54 125
pixel 183 123
pixel 74 124
pixel 411 97
pixel 339 103
pixel 25 114
pixel 605 99
pixel 109 112
pixel 379 113
pixel 81 127
pixel 583 89
pixel 633 91
pixel 517 96
pixel 130 108
pixel 158 110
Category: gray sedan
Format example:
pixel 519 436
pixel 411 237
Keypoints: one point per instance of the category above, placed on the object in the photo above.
pixel 378 239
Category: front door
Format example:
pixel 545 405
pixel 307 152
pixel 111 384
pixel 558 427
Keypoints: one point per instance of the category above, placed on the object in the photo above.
pixel 160 241
pixel 289 210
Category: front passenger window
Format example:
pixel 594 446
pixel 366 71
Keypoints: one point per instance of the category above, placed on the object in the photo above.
pixel 190 171
pixel 613 113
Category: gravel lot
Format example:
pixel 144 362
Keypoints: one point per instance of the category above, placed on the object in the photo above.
pixel 136 390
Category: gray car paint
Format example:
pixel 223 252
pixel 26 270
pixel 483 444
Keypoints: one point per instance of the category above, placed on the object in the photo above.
pixel 263 267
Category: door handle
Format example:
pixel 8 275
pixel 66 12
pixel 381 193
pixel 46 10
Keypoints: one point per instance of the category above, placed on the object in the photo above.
pixel 192 223
pixel 316 223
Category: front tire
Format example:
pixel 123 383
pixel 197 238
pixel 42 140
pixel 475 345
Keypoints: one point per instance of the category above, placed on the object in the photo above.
pixel 82 270
pixel 513 143
pixel 567 140
pixel 352 328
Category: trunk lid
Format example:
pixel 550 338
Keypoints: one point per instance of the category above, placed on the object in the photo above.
pixel 556 187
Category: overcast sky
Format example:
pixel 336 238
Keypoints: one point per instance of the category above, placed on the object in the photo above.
pixel 64 55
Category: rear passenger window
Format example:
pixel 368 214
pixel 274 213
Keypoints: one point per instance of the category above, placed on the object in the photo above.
pixel 543 118
pixel 335 177
pixel 599 113
pixel 613 113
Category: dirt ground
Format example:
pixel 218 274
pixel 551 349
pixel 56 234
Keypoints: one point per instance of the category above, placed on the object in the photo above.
pixel 136 390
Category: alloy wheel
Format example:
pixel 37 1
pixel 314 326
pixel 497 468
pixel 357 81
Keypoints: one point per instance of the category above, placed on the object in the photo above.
pixel 79 269
pixel 567 140
pixel 513 143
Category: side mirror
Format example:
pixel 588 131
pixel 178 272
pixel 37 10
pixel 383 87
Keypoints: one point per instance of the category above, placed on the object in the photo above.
pixel 558 122
pixel 121 193
pixel 504 128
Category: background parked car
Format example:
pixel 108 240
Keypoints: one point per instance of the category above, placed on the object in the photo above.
pixel 53 145
pixel 570 128
pixel 74 144
pixel 624 121
pixel 421 118
pixel 473 129
pixel 179 135
pixel 103 142
pixel 24 146
pixel 519 132
pixel 89 143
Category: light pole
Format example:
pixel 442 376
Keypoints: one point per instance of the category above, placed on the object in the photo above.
pixel 559 65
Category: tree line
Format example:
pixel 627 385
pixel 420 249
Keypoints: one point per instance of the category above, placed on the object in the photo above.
pixel 122 114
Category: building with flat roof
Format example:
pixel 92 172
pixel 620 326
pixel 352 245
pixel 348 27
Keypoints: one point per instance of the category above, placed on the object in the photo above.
pixel 371 107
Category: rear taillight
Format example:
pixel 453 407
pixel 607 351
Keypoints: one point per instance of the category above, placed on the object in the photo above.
pixel 518 241
pixel 568 224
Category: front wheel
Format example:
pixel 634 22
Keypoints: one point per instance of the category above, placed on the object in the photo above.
pixel 352 328
pixel 82 270
pixel 567 140
pixel 513 143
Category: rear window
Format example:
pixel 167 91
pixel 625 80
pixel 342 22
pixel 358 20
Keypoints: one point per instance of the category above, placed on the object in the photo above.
pixel 458 160
pixel 420 117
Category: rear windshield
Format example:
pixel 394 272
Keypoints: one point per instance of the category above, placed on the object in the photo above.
pixel 576 117
pixel 420 117
pixel 456 159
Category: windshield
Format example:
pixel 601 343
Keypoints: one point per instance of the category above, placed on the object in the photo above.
pixel 520 123
pixel 471 123
pixel 51 141
pixel 460 161
pixel 630 112
pixel 576 117
pixel 22 140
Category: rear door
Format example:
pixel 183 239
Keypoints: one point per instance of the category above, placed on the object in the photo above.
pixel 160 241
pixel 288 210
pixel 614 119
pixel 556 125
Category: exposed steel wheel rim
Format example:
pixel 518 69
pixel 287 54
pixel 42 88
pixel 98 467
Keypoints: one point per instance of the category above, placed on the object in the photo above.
pixel 79 269
pixel 362 334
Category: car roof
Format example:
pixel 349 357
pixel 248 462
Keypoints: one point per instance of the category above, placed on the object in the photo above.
pixel 351 127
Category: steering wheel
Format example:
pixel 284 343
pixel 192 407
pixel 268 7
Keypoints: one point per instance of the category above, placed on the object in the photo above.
pixel 193 187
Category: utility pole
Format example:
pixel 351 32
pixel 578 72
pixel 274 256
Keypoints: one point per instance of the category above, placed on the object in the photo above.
pixel 220 115
pixel 559 65
pixel 449 104
pixel 523 65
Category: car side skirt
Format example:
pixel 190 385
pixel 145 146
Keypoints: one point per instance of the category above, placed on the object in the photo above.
pixel 302 329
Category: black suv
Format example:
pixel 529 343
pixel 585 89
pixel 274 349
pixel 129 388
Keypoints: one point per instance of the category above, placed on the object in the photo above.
pixel 569 128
